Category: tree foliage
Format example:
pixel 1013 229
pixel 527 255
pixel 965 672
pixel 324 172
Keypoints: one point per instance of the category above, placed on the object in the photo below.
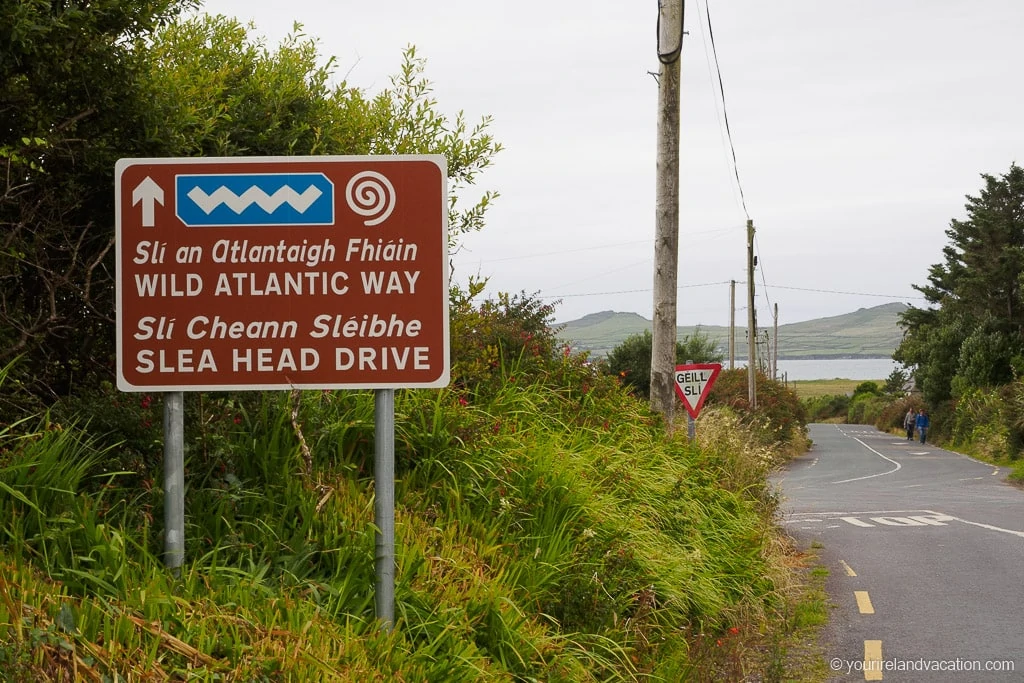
pixel 70 104
pixel 84 84
pixel 972 333
pixel 631 360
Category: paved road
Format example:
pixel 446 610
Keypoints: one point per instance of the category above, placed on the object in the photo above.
pixel 925 550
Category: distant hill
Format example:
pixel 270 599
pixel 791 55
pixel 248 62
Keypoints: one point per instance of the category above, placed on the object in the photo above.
pixel 865 333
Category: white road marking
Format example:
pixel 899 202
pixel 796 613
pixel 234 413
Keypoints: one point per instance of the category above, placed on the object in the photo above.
pixel 895 518
pixel 861 513
pixel 991 527
pixel 934 519
pixel 871 476
pixel 897 521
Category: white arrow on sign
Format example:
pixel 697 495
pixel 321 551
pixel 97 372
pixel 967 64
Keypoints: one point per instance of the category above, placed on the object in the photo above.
pixel 148 192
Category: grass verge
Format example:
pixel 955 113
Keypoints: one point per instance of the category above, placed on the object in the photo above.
pixel 815 388
pixel 545 531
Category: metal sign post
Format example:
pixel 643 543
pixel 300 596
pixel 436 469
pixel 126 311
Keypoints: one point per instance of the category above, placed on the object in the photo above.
pixel 174 480
pixel 384 505
pixel 691 422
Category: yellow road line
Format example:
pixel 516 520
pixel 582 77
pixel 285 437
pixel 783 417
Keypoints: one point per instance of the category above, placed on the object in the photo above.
pixel 848 568
pixel 864 602
pixel 872 660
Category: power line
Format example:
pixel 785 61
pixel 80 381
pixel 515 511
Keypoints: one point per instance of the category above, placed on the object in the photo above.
pixel 836 291
pixel 714 100
pixel 725 111
pixel 630 291
pixel 895 297
pixel 645 262
pixel 567 251
pixel 594 247
pixel 760 262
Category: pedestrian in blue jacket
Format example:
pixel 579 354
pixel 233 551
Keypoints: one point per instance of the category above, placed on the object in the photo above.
pixel 922 423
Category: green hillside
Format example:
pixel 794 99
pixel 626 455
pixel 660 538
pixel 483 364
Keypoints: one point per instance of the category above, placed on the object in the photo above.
pixel 865 333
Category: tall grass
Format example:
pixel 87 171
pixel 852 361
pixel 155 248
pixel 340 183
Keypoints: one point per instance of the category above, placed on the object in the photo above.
pixel 547 530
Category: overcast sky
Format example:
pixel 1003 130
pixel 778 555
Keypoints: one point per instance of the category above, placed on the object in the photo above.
pixel 858 129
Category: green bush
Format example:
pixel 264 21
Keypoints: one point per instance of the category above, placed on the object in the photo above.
pixel 630 361
pixel 865 408
pixel 492 336
pixel 892 414
pixel 779 417
pixel 828 407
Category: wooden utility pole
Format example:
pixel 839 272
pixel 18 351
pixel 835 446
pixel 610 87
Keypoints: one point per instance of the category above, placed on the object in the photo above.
pixel 751 321
pixel 775 345
pixel 732 325
pixel 666 240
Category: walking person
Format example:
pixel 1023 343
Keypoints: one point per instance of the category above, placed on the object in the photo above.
pixel 909 422
pixel 922 423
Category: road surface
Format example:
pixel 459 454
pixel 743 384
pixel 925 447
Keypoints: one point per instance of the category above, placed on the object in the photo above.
pixel 925 551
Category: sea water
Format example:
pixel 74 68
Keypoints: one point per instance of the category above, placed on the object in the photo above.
pixel 833 368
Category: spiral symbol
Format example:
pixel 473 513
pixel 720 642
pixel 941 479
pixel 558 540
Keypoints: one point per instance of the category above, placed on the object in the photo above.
pixel 370 194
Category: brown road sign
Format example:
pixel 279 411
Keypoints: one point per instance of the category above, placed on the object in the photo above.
pixel 277 272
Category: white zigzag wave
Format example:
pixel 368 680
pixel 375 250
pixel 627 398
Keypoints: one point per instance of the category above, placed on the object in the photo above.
pixel 255 195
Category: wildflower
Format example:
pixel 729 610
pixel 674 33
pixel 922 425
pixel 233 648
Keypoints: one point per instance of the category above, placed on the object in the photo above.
pixel 463 401
pixel 146 401
pixel 733 630
pixel 238 419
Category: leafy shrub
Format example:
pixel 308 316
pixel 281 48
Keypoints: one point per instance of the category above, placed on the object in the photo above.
pixel 891 416
pixel 779 417
pixel 828 407
pixel 631 360
pixel 866 389
pixel 867 404
pixel 511 331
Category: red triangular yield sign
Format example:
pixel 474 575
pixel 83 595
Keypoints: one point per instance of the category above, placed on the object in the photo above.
pixel 693 382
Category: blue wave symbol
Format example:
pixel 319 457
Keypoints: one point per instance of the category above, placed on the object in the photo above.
pixel 239 199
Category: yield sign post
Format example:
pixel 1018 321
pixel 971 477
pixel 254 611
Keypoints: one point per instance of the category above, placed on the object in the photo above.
pixel 693 383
